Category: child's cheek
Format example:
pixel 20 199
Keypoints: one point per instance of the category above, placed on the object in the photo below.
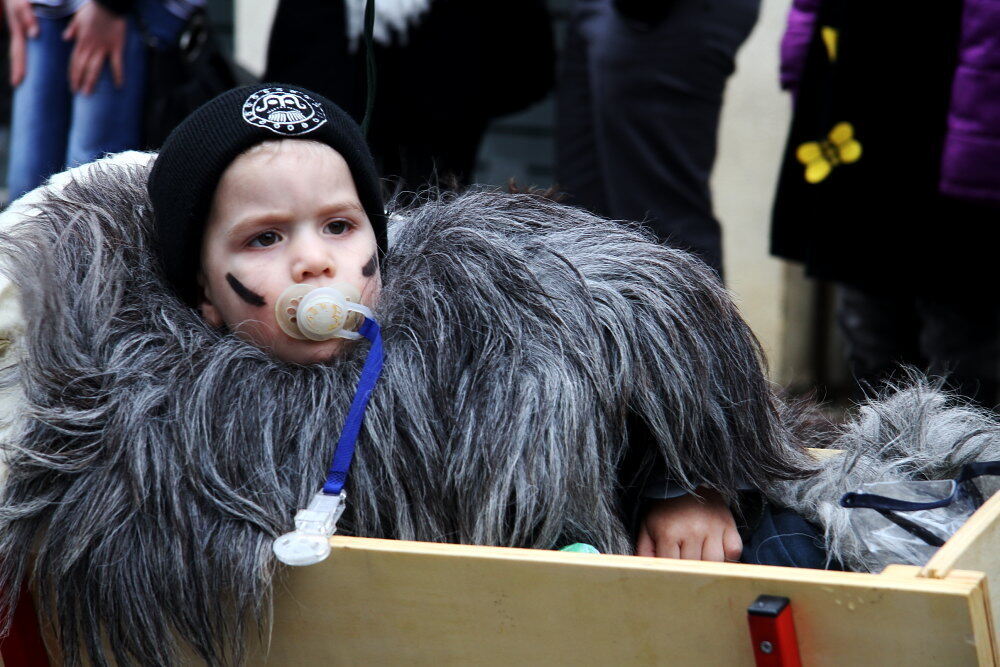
pixel 245 294
pixel 371 266
pixel 370 280
pixel 371 289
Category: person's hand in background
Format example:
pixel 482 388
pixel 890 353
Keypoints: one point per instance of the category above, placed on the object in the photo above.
pixel 99 34
pixel 23 26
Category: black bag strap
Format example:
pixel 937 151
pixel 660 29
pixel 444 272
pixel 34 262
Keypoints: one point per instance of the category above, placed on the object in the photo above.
pixel 912 528
pixel 888 507
pixel 885 503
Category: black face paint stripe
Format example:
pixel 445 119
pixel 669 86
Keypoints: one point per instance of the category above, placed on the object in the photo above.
pixel 244 292
pixel 368 270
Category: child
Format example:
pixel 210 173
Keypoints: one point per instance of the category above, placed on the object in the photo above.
pixel 281 208
pixel 541 364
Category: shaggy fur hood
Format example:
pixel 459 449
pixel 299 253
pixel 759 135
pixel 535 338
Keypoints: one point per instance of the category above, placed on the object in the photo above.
pixel 913 432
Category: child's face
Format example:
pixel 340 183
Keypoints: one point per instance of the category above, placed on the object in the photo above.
pixel 283 213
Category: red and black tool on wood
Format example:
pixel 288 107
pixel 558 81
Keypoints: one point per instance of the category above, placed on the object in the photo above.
pixel 772 631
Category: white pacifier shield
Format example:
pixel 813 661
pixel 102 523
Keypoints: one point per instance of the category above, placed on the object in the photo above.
pixel 286 309
pixel 307 312
pixel 301 548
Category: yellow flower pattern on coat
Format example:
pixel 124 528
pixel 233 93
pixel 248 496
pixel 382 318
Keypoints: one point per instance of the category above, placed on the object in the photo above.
pixel 820 157
pixel 830 36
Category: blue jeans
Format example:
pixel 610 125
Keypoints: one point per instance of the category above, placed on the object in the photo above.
pixel 52 128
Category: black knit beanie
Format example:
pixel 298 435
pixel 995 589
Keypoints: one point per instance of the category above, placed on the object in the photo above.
pixel 193 157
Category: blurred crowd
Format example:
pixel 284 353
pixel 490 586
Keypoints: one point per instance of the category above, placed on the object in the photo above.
pixel 889 186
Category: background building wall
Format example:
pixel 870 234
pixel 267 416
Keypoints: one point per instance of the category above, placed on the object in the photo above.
pixel 252 22
pixel 773 296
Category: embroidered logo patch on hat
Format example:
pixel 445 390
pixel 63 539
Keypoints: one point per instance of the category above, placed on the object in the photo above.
pixel 283 111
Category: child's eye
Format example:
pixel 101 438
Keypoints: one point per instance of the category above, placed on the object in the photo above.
pixel 336 227
pixel 264 240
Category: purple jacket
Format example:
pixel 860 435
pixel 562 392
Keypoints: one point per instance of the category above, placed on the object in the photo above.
pixel 970 160
pixel 795 42
pixel 970 163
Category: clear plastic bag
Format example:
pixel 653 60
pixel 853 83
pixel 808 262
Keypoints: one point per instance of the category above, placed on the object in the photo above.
pixel 909 538
pixel 906 522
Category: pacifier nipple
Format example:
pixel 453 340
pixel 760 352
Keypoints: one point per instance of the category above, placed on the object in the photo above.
pixel 320 313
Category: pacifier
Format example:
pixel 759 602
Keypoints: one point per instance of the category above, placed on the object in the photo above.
pixel 307 312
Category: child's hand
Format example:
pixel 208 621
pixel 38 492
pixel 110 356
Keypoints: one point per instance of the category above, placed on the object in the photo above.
pixel 690 527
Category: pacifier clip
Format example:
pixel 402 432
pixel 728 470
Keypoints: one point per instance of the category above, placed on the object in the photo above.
pixel 309 543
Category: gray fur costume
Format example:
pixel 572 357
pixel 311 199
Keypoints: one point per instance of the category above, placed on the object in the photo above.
pixel 913 432
pixel 157 458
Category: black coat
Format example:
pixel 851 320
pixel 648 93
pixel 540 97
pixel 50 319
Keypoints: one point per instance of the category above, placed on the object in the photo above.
pixel 879 222
pixel 460 65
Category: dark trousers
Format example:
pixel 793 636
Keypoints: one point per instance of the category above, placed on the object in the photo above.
pixel 638 112
pixel 954 336
pixel 782 537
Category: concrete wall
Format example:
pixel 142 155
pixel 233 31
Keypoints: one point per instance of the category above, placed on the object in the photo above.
pixel 754 124
pixel 253 25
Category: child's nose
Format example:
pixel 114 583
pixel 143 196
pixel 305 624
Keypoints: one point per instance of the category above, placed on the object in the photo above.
pixel 311 261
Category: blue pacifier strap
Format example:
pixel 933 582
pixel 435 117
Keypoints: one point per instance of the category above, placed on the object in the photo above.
pixel 342 456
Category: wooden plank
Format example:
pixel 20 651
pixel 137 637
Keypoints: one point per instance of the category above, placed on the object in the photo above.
pixel 900 571
pixel 982 616
pixel 974 546
pixel 987 647
pixel 377 601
